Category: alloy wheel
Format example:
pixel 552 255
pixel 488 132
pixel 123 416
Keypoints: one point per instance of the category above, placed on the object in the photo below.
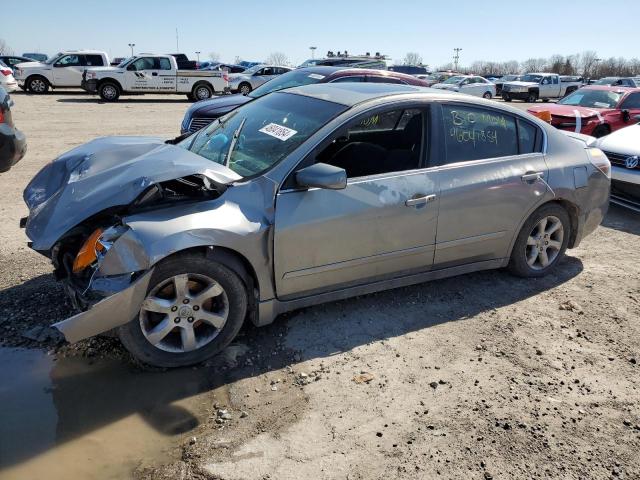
pixel 184 313
pixel 544 243
pixel 245 89
pixel 109 92
pixel 38 85
pixel 202 93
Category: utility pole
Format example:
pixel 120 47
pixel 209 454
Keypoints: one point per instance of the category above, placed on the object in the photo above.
pixel 456 57
pixel 131 45
pixel 198 54
pixel 313 51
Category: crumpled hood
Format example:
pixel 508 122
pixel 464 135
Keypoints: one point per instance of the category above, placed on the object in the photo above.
pixel 223 102
pixel 625 141
pixel 106 172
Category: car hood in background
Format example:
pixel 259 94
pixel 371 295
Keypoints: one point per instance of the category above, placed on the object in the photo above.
pixel 518 83
pixel 33 65
pixel 446 86
pixel 625 141
pixel 226 102
pixel 570 110
pixel 104 173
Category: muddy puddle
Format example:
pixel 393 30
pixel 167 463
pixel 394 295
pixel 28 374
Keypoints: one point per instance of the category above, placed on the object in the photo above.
pixel 74 418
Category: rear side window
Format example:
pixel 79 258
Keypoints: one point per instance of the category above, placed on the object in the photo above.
pixel 164 64
pixel 94 61
pixel 529 137
pixel 632 101
pixel 477 133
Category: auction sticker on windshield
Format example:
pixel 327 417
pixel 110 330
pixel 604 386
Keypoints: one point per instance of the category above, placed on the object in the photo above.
pixel 278 131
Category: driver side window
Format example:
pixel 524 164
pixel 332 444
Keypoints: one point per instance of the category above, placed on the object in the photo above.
pixel 69 61
pixel 381 142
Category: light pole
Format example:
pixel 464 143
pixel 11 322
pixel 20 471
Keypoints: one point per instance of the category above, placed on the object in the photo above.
pixel 198 54
pixel 456 57
pixel 313 51
pixel 132 45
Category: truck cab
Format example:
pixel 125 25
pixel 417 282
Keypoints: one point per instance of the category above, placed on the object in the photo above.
pixel 61 70
pixel 534 86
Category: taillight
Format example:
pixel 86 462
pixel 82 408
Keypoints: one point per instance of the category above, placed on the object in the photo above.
pixel 1 116
pixel 599 160
pixel 225 75
pixel 6 72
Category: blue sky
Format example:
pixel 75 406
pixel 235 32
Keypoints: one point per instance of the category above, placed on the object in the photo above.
pixel 252 29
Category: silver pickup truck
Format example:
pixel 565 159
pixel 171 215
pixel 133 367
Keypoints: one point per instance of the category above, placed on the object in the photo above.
pixel 534 86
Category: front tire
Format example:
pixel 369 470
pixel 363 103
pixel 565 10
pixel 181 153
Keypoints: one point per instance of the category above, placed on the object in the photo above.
pixel 194 308
pixel 506 97
pixel 487 95
pixel 38 85
pixel 541 242
pixel 532 97
pixel 245 88
pixel 109 91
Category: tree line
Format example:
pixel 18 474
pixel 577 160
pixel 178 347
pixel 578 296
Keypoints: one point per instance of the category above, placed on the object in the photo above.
pixel 586 64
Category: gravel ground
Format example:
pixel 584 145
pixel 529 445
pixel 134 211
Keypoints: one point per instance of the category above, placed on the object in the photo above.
pixel 482 376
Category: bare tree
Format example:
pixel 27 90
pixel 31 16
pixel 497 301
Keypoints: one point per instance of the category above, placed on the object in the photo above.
pixel 412 58
pixel 214 56
pixel 277 58
pixel 588 62
pixel 4 48
pixel 534 65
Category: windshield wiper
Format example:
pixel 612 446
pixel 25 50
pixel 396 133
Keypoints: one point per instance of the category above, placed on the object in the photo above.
pixel 234 140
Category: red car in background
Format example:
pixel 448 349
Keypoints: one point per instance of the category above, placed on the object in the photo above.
pixel 595 110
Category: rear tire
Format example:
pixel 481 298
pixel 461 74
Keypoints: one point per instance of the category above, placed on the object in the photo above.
pixel 202 91
pixel 172 349
pixel 109 91
pixel 37 84
pixel 541 242
pixel 506 97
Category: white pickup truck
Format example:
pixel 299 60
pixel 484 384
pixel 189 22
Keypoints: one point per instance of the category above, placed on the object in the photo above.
pixel 147 73
pixel 62 70
pixel 533 86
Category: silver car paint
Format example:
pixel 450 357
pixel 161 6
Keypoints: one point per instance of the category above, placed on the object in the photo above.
pixel 259 222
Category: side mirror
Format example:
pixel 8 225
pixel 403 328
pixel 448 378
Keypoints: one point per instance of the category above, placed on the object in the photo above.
pixel 131 67
pixel 321 175
pixel 626 116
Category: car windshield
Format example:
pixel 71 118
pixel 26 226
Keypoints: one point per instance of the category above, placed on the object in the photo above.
pixel 252 70
pixel 253 138
pixel 531 78
pixel 124 62
pixel 294 78
pixel 606 81
pixel 509 78
pixel 454 80
pixel 592 98
pixel 54 58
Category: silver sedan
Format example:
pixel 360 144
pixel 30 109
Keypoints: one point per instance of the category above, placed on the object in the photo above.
pixel 303 196
pixel 254 77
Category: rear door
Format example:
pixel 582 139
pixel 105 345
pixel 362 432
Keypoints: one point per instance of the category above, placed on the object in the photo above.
pixel 383 224
pixel 489 161
pixel 632 104
pixel 164 76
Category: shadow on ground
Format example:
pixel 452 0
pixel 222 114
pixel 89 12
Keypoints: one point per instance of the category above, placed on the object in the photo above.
pixel 622 219
pixel 87 394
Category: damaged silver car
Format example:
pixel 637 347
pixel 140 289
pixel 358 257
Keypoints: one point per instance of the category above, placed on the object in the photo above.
pixel 304 196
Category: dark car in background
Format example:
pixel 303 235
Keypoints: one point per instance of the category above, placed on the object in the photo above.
pixel 38 57
pixel 507 78
pixel 12 60
pixel 183 61
pixel 202 113
pixel 633 82
pixel 409 69
pixel 218 66
pixel 13 143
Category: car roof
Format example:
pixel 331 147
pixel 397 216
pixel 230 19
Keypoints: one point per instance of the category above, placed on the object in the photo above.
pixel 350 94
pixel 611 88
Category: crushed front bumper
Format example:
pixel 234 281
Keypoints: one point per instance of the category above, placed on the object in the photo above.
pixel 109 313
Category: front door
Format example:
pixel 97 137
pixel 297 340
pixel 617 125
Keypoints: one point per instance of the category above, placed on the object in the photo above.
pixel 67 72
pixel 383 224
pixel 488 182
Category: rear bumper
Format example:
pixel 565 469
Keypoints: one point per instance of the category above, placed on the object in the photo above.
pixel 11 86
pixel 13 146
pixel 90 86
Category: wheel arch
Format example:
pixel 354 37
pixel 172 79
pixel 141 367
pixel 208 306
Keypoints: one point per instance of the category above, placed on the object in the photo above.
pixel 39 75
pixel 102 81
pixel 203 82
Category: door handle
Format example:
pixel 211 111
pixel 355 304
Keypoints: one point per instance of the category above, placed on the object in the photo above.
pixel 155 74
pixel 415 201
pixel 531 176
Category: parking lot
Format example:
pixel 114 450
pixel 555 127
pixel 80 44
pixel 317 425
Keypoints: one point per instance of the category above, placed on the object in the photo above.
pixel 481 376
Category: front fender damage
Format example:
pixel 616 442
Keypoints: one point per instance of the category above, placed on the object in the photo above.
pixel 114 311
